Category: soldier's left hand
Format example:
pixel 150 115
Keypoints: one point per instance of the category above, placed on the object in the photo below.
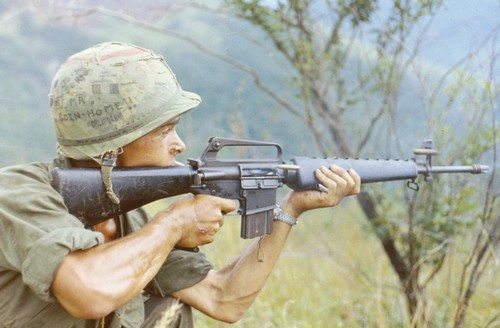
pixel 338 182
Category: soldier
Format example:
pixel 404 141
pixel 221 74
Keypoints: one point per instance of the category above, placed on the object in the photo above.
pixel 118 105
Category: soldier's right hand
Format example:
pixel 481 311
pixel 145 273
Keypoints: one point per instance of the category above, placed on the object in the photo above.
pixel 197 218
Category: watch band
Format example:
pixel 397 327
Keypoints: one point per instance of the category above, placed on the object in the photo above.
pixel 280 215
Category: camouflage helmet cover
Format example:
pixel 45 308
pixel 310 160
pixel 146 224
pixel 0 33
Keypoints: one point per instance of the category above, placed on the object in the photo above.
pixel 109 95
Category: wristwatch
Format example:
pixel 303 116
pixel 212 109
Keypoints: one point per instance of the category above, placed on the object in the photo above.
pixel 280 215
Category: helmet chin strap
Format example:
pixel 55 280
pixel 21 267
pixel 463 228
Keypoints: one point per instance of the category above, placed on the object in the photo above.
pixel 108 162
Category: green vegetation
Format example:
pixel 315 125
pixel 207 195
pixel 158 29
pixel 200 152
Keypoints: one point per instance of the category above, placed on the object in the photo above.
pixel 334 274
pixel 351 89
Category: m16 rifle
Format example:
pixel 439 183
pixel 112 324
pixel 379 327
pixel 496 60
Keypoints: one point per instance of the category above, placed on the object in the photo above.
pixel 253 181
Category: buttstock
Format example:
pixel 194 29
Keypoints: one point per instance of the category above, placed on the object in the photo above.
pixel 83 191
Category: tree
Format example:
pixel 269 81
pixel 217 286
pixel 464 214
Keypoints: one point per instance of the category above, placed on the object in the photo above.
pixel 346 66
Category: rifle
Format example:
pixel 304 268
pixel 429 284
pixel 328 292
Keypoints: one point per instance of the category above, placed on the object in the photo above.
pixel 253 182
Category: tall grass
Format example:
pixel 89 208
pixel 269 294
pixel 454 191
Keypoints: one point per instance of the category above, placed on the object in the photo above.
pixel 334 273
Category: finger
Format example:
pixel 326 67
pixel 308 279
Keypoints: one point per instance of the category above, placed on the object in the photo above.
pixel 327 179
pixel 228 205
pixel 350 178
pixel 357 182
pixel 225 205
pixel 334 177
pixel 215 228
pixel 342 173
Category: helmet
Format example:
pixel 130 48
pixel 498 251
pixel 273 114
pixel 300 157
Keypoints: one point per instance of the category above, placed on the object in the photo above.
pixel 109 95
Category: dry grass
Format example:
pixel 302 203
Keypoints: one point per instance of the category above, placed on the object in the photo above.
pixel 334 273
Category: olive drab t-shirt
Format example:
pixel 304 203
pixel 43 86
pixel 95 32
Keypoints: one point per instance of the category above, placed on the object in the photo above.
pixel 36 232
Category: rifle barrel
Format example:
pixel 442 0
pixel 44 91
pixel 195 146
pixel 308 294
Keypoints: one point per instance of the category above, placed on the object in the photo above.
pixel 473 169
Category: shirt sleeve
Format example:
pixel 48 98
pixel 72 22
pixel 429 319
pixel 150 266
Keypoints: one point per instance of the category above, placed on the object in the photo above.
pixel 48 251
pixel 37 229
pixel 182 269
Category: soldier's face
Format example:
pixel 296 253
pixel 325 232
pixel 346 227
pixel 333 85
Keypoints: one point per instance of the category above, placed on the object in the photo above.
pixel 157 148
